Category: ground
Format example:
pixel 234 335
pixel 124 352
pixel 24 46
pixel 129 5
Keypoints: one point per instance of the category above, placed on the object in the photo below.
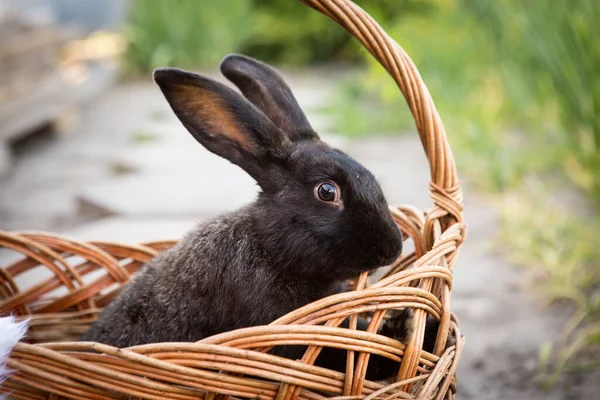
pixel 130 172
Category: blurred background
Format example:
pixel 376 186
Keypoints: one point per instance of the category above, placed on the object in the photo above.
pixel 89 147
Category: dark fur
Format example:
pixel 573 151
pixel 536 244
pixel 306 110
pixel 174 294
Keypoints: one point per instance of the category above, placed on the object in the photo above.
pixel 279 253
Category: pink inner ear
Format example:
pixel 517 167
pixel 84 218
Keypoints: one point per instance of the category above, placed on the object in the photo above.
pixel 212 112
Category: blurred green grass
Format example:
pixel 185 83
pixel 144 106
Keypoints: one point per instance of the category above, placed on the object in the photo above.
pixel 515 83
pixel 182 33
pixel 190 34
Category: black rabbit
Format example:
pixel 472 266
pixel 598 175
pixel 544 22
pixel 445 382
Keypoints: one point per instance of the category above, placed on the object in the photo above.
pixel 321 218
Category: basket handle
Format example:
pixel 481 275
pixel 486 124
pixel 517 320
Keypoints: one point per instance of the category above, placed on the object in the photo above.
pixel 444 186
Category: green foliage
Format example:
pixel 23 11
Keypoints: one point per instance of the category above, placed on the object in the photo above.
pixel 495 71
pixel 473 93
pixel 185 33
pixel 554 47
pixel 189 33
pixel 289 32
pixel 358 111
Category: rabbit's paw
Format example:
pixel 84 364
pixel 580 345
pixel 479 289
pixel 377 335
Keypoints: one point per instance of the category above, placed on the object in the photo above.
pixel 400 326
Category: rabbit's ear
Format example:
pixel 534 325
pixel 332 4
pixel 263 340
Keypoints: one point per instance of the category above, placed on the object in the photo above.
pixel 222 120
pixel 265 88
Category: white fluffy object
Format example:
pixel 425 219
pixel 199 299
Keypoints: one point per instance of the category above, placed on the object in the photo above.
pixel 11 332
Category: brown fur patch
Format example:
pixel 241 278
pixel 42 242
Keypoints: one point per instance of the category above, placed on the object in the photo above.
pixel 214 113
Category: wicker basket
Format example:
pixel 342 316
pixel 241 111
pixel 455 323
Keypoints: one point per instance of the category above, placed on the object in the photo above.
pixel 77 279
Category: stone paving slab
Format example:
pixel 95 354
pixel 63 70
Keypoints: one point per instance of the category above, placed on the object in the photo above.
pixel 174 194
pixel 134 230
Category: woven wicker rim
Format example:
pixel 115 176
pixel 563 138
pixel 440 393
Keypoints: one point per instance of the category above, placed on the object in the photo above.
pixel 235 363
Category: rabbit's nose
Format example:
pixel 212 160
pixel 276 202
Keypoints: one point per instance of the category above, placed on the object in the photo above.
pixel 390 246
pixel 390 253
pixel 388 260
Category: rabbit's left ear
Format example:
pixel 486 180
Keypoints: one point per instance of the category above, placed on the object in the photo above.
pixel 223 121
pixel 266 89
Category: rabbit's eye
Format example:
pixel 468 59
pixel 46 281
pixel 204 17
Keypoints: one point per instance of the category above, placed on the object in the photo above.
pixel 327 191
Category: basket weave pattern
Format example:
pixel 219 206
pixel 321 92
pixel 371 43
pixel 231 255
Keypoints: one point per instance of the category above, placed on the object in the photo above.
pixel 78 279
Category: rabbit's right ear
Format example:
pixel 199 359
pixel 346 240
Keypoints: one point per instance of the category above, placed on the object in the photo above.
pixel 222 120
pixel 265 88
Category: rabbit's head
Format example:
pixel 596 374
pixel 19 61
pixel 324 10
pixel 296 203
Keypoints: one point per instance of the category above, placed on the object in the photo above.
pixel 320 213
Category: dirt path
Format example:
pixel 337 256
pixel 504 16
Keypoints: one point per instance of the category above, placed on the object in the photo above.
pixel 132 163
